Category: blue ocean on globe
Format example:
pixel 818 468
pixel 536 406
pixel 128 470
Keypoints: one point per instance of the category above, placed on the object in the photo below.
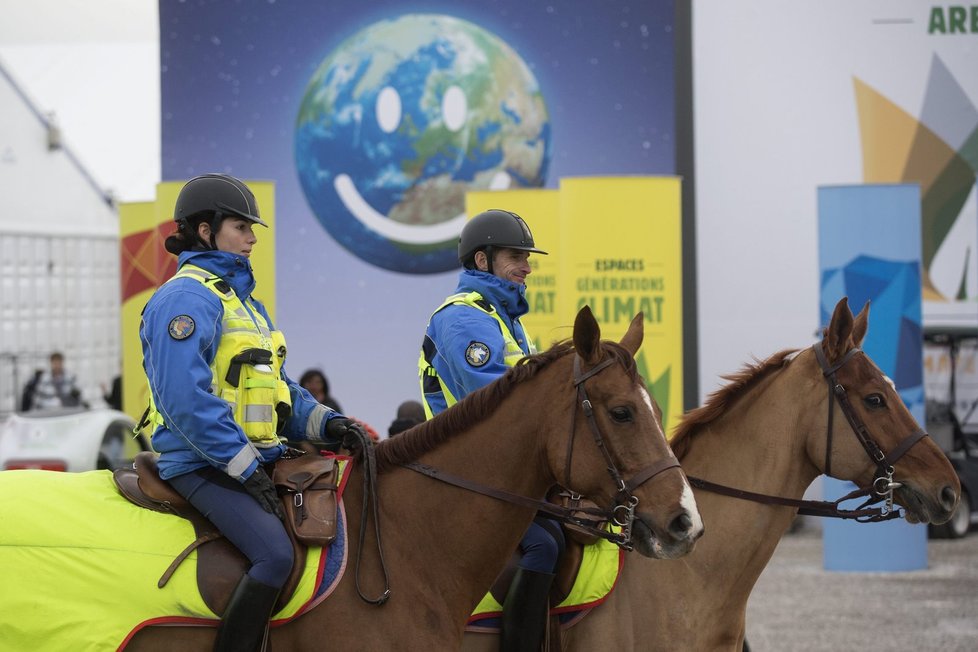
pixel 400 121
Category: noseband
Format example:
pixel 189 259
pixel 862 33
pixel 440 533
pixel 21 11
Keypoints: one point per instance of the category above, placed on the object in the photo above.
pixel 625 501
pixel 883 484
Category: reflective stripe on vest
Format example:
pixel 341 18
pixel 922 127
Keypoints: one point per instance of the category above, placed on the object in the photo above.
pixel 431 383
pixel 260 393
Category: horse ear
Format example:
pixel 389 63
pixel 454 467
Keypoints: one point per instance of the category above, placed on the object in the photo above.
pixel 860 325
pixel 633 337
pixel 587 336
pixel 839 330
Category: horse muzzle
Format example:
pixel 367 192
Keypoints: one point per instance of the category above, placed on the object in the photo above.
pixel 677 540
pixel 922 507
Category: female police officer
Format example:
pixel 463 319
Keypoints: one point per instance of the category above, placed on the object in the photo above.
pixel 220 397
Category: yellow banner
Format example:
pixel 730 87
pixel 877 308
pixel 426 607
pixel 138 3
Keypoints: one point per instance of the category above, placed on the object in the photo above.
pixel 140 272
pixel 539 208
pixel 143 227
pixel 621 250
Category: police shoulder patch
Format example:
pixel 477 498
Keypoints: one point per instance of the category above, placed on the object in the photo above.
pixel 181 327
pixel 477 354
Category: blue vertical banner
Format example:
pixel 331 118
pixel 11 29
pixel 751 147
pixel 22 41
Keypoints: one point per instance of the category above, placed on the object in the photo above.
pixel 870 250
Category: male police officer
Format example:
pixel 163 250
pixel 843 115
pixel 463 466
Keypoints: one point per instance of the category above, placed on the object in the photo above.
pixel 473 338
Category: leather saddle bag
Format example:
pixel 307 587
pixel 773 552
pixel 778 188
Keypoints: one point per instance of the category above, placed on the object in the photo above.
pixel 307 484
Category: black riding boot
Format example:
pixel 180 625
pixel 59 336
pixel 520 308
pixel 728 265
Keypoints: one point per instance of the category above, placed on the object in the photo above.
pixel 525 611
pixel 246 617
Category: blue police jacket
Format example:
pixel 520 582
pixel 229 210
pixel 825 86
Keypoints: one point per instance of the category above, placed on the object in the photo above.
pixel 201 430
pixel 454 328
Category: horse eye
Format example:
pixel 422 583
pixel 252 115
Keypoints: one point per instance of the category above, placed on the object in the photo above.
pixel 874 401
pixel 621 414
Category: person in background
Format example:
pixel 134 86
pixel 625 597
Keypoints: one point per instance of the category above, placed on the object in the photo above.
pixel 472 339
pixel 409 414
pixel 56 387
pixel 113 398
pixel 220 398
pixel 314 381
pixel 27 396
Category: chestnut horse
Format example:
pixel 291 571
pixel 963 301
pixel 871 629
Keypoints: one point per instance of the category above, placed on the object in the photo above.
pixel 442 545
pixel 768 432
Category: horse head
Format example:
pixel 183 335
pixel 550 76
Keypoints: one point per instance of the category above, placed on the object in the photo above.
pixel 617 431
pixel 877 444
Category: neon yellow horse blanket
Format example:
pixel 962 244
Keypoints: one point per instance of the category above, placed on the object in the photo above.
pixel 595 581
pixel 79 565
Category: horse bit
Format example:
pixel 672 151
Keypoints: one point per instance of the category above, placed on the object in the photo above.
pixel 622 514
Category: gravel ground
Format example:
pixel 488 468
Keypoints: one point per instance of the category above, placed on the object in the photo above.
pixel 796 606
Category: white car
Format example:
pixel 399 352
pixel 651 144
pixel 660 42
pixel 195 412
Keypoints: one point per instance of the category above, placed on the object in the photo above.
pixel 69 439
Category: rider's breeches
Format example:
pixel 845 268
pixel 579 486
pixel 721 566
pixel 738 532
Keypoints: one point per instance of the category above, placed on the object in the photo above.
pixel 260 536
pixel 542 545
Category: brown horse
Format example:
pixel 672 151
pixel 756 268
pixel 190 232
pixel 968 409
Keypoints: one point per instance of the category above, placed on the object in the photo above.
pixel 443 545
pixel 766 432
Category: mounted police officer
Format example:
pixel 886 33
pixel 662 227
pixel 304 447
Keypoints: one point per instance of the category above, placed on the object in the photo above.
pixel 220 398
pixel 472 339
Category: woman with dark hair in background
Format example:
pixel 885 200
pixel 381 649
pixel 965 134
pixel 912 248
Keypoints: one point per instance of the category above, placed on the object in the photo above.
pixel 314 381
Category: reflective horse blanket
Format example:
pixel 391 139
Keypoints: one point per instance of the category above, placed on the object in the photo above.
pixel 79 565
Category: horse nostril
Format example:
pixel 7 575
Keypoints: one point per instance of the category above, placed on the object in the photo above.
pixel 680 525
pixel 948 498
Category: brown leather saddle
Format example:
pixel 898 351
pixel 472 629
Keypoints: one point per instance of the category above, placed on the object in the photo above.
pixel 219 564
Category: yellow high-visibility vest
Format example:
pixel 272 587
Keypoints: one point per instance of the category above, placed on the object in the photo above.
pixel 431 382
pixel 246 370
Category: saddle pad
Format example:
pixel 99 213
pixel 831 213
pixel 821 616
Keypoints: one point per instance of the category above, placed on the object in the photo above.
pixel 81 564
pixel 595 580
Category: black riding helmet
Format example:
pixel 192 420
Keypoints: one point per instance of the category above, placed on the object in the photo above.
pixel 490 229
pixel 214 197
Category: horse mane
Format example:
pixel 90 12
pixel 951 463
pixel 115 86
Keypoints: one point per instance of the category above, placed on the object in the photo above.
pixel 719 401
pixel 478 406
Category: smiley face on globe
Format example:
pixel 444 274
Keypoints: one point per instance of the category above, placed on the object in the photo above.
pixel 400 121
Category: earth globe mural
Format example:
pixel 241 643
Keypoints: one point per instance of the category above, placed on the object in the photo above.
pixel 400 121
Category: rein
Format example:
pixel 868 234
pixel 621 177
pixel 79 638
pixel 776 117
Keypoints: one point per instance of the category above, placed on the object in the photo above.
pixel 621 514
pixel 370 497
pixel 883 484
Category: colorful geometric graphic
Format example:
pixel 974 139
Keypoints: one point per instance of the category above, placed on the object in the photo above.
pixel 869 250
pixel 939 151
pixel 145 264
pixel 893 289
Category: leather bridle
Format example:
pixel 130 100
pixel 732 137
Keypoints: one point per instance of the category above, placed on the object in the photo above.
pixel 883 484
pixel 622 513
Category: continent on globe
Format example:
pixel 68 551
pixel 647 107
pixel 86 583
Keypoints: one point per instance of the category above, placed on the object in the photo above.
pixel 400 121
